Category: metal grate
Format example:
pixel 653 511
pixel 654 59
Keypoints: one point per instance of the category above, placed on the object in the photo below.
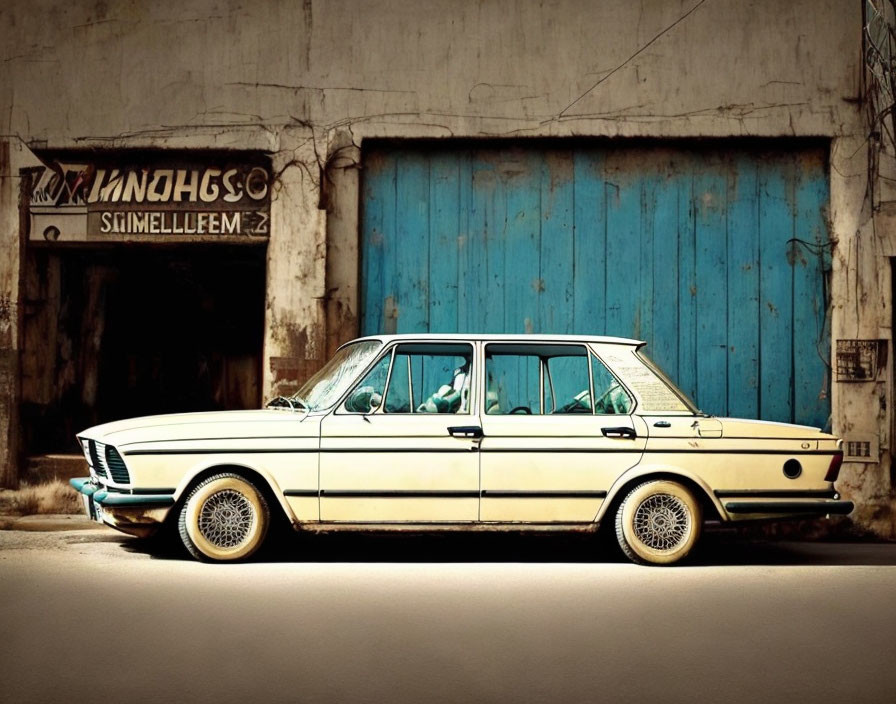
pixel 860 360
pixel 116 466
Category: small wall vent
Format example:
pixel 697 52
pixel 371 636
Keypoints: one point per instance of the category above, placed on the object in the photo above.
pixel 860 448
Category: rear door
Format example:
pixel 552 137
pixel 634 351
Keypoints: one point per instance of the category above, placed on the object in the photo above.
pixel 558 430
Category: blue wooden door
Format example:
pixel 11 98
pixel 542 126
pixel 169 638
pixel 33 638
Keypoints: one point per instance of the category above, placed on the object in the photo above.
pixel 715 254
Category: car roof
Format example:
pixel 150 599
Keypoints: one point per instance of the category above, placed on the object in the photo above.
pixel 504 337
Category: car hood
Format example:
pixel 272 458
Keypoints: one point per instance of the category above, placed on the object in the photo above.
pixel 211 425
pixel 745 428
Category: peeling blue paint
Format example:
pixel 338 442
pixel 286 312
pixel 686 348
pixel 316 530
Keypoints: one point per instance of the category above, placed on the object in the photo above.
pixel 690 247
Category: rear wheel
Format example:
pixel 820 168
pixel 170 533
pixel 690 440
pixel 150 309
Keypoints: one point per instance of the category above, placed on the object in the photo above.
pixel 225 518
pixel 658 523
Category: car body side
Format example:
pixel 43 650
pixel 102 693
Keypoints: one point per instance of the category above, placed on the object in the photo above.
pixel 737 468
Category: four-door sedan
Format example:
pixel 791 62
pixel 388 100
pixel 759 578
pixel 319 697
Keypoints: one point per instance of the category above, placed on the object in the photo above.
pixel 461 432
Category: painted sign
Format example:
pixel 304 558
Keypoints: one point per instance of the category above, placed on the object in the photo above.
pixel 154 200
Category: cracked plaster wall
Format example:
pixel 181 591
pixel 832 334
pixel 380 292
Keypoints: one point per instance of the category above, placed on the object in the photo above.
pixel 308 80
pixel 655 67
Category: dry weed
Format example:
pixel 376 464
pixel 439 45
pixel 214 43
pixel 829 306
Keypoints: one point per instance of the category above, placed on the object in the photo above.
pixel 54 496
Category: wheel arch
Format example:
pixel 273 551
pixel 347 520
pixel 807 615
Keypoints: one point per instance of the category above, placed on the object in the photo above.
pixel 258 477
pixel 712 507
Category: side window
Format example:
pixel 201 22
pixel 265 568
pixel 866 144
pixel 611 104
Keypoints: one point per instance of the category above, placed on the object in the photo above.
pixel 570 388
pixel 368 394
pixel 512 383
pixel 430 378
pixel 537 379
pixel 400 395
pixel 609 396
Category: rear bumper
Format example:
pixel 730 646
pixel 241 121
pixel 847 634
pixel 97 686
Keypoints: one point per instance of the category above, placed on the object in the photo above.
pixel 787 507
pixel 135 514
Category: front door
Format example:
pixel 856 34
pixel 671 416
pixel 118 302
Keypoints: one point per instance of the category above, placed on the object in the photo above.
pixel 558 431
pixel 404 445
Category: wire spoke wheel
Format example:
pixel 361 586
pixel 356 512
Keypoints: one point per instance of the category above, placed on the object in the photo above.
pixel 662 522
pixel 658 522
pixel 225 518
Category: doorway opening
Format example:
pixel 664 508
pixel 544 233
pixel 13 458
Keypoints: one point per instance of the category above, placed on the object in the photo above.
pixel 117 333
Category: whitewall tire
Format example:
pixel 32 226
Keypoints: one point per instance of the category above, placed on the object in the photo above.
pixel 225 518
pixel 658 522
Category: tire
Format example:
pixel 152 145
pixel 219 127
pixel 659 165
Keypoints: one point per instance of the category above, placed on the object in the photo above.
pixel 224 519
pixel 658 523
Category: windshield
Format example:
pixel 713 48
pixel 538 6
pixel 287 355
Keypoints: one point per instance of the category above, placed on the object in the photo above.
pixel 327 386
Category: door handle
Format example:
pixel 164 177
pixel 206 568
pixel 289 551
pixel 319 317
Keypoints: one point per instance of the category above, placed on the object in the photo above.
pixel 662 424
pixel 465 431
pixel 621 432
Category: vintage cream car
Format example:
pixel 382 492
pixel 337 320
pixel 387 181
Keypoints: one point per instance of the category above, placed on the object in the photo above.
pixel 461 432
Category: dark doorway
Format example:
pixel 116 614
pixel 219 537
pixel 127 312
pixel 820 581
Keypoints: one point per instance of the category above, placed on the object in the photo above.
pixel 115 333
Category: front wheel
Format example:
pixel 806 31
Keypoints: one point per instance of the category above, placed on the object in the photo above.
pixel 658 523
pixel 225 518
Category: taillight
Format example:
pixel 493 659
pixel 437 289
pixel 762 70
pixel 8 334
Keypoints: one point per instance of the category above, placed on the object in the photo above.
pixel 834 468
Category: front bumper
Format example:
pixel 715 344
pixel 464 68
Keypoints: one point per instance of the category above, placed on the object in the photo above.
pixel 135 514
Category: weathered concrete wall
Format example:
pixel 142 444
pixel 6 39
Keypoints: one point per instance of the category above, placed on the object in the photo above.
pixel 295 318
pixel 308 82
pixel 9 317
pixel 861 309
pixel 103 73
pixel 13 157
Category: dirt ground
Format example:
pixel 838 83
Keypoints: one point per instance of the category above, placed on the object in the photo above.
pixel 92 613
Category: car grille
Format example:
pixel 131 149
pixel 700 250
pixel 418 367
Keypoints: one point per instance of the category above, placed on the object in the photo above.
pixel 116 466
pixel 111 463
pixel 95 458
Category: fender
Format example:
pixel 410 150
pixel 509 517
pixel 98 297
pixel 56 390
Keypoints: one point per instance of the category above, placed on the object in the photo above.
pixel 201 467
pixel 648 470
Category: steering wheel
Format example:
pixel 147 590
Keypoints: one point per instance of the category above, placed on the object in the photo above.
pixel 578 404
pixel 521 409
